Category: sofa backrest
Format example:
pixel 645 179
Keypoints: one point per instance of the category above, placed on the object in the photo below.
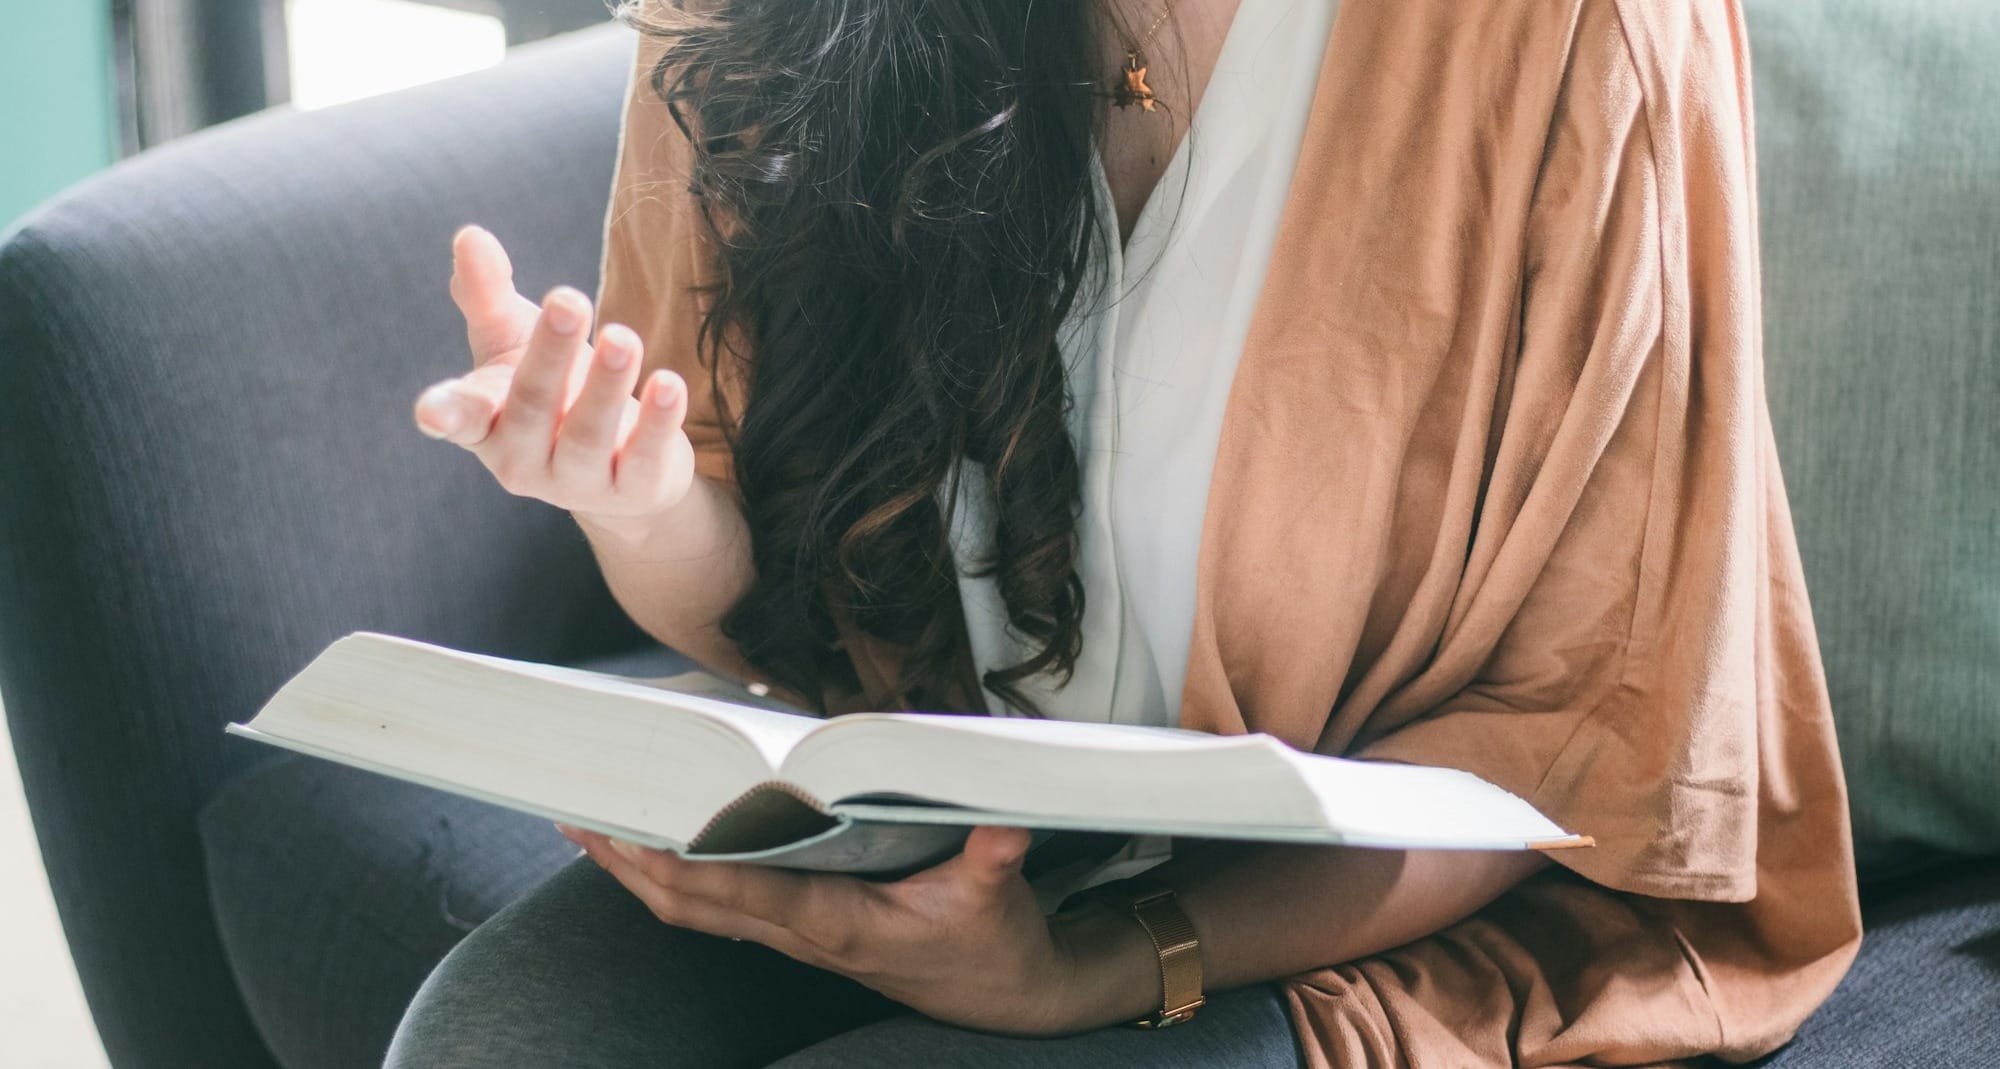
pixel 208 471
pixel 1878 139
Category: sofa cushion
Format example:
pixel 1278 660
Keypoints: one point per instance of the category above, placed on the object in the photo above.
pixel 1878 139
pixel 1925 990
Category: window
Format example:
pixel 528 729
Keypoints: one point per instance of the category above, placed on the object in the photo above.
pixel 342 50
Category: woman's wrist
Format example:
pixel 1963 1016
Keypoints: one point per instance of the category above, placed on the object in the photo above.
pixel 1113 967
pixel 621 531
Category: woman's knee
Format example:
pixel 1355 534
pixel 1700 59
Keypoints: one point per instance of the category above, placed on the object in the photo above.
pixel 518 985
pixel 579 973
pixel 1245 1028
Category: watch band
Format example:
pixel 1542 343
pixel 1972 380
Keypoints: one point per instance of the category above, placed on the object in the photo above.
pixel 1152 904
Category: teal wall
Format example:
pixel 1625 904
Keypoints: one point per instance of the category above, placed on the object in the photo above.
pixel 55 98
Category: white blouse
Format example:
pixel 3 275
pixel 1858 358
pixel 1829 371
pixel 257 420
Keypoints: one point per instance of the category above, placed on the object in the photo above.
pixel 1150 370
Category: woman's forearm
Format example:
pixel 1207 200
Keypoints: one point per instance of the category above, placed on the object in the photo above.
pixel 677 573
pixel 1264 912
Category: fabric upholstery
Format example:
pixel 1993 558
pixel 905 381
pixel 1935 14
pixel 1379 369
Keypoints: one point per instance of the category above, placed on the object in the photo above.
pixel 208 471
pixel 1878 135
pixel 1925 992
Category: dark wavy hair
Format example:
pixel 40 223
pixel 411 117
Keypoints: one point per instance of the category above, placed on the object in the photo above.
pixel 900 191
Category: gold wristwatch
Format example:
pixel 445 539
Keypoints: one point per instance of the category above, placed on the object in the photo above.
pixel 1152 904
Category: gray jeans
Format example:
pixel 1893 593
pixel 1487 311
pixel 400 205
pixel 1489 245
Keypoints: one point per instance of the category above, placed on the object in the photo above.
pixel 578 973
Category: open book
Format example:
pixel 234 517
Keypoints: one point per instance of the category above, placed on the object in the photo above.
pixel 698 765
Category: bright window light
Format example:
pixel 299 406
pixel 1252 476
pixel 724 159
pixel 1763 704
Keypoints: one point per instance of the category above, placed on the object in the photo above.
pixel 343 50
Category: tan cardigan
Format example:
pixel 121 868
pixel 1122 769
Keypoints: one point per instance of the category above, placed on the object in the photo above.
pixel 1497 490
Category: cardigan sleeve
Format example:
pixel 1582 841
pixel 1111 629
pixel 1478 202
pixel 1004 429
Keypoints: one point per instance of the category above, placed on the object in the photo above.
pixel 1642 662
pixel 656 258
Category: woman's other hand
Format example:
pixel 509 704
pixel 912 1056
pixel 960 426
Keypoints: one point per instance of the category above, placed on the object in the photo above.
pixel 963 942
pixel 551 415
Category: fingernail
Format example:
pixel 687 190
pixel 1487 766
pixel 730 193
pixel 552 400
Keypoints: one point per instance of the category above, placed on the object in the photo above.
pixel 437 415
pixel 564 316
pixel 568 832
pixel 616 354
pixel 663 395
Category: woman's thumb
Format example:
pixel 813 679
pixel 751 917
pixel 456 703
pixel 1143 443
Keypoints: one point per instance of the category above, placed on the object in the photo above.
pixel 498 319
pixel 994 854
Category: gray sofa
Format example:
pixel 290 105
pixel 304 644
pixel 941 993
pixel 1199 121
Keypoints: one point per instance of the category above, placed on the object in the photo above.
pixel 207 472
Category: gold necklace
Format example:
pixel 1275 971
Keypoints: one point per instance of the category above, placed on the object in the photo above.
pixel 1130 87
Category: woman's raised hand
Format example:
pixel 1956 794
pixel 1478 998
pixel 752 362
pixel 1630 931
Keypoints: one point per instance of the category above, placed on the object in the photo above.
pixel 551 415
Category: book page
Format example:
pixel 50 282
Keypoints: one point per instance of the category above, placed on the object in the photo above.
pixel 1052 774
pixel 1387 803
pixel 1123 737
pixel 1056 773
pixel 700 684
pixel 772 731
pixel 538 737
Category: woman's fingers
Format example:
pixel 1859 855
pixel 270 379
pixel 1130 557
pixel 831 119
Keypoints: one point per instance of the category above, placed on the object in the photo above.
pixel 551 415
pixel 656 459
pixel 593 426
pixel 523 439
pixel 776 896
pixel 685 910
pixel 992 855
pixel 461 410
pixel 498 319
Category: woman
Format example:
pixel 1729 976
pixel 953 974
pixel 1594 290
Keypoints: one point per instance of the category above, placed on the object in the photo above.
pixel 1411 409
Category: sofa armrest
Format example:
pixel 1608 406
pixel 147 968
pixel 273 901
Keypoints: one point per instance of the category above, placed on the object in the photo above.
pixel 208 472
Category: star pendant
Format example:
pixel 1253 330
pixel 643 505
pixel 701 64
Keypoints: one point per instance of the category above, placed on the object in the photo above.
pixel 1135 90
